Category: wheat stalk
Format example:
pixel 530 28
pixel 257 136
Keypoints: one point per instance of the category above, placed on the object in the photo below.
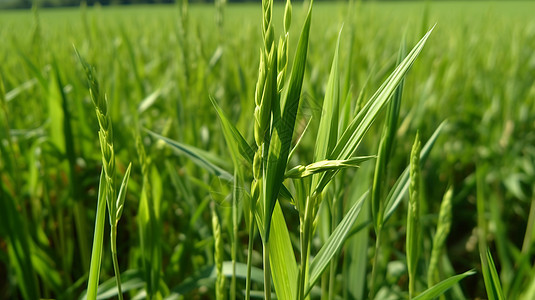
pixel 413 216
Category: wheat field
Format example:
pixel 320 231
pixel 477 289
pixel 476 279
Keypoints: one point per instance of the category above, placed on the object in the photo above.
pixel 276 150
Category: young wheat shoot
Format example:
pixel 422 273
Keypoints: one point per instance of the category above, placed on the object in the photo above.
pixel 114 202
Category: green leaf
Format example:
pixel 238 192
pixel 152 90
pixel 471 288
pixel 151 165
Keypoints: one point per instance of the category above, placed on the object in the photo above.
pixel 299 140
pixel 19 89
pixel 385 150
pixel 328 127
pixel 281 257
pixel 282 261
pixel 151 99
pixel 18 245
pixel 56 111
pixel 490 276
pixel 233 137
pixel 34 69
pixel 441 287
pixel 529 292
pixel 334 243
pixel 122 193
pixel 353 135
pixel 131 280
pixel 96 253
pixel 198 156
pixel 208 274
pixel 324 166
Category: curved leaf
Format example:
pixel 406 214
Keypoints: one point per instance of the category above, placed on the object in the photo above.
pixel 334 243
pixel 441 287
pixel 198 156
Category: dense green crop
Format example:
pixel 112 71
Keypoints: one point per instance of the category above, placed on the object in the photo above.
pixel 270 149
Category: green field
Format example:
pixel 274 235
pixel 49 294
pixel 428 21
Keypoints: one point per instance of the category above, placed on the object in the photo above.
pixel 303 157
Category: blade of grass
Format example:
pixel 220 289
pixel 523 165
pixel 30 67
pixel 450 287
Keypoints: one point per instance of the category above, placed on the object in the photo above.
pixel 197 155
pixel 19 245
pixel 96 253
pixel 490 276
pixel 441 287
pixel 334 243
pixel 282 260
pixel 358 127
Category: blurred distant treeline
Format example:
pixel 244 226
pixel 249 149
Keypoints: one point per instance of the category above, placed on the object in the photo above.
pixel 18 4
pixel 21 4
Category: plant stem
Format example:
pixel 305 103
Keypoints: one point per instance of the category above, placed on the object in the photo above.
pixel 375 263
pixel 235 234
pixel 332 267
pixel 115 261
pixel 96 253
pixel 528 236
pixel 305 242
pixel 267 272
pixel 249 256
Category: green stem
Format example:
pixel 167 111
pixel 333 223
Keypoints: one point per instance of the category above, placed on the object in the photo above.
pixel 332 278
pixel 332 268
pixel 249 257
pixel 305 242
pixel 526 245
pixel 96 253
pixel 79 223
pixel 115 261
pixel 235 240
pixel 375 263
pixel 325 285
pixel 267 272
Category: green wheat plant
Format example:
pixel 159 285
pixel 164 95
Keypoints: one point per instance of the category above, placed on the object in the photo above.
pixel 333 153
pixel 305 187
pixel 107 193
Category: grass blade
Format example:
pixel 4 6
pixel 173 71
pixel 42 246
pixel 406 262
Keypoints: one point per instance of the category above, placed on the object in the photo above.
pixel 358 127
pixel 385 151
pixel 198 156
pixel 353 135
pixel 334 243
pixel 281 258
pixel 282 261
pixel 235 141
pixel 96 253
pixel 18 245
pixel 441 287
pixel 490 276
pixel 328 127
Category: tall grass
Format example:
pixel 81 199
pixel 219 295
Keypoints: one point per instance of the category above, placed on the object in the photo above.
pixel 305 187
pixel 107 187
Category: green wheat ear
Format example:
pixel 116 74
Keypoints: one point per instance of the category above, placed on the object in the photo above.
pixel 218 255
pixel 439 241
pixel 413 216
